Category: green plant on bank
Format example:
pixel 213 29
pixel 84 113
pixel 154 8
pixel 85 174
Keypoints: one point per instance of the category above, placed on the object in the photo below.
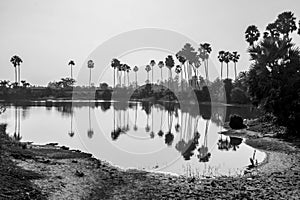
pixel 274 75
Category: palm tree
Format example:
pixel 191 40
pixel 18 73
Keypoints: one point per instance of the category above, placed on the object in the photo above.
pixel 161 65
pixel 90 66
pixel 127 69
pixel 221 58
pixel 115 64
pixel 152 64
pixel 252 34
pixel 178 70
pixel 135 69
pixel 148 69
pixel 204 52
pixel 71 64
pixel 169 62
pixel 16 61
pixel 286 23
pixel 188 53
pixel 235 59
pixel 227 59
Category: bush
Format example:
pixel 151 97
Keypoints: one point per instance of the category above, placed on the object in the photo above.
pixel 239 96
pixel 236 122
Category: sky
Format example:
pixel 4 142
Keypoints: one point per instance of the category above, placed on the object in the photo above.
pixel 46 34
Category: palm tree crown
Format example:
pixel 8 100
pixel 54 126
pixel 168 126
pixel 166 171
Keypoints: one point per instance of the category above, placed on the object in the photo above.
pixel 252 34
pixel 16 61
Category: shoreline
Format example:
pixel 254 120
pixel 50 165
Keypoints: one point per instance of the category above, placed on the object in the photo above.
pixel 77 175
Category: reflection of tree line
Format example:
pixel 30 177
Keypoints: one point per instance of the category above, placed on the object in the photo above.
pixel 187 127
pixel 225 144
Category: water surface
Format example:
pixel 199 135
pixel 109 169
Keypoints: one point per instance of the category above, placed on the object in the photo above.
pixel 160 137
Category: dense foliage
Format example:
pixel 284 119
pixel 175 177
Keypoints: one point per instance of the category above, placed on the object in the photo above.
pixel 274 76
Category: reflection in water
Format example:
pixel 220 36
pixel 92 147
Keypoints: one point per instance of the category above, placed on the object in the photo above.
pixel 17 135
pixel 90 131
pixel 204 155
pixel 71 132
pixel 182 134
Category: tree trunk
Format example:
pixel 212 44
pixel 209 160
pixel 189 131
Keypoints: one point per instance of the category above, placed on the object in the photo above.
pixel 227 70
pixel 135 79
pixel 90 77
pixel 148 76
pixel 152 75
pixel 161 74
pixel 71 72
pixel 19 69
pixel 16 77
pixel 221 70
pixel 124 78
pixel 114 77
pixel 128 78
pixel 235 70
pixel 207 69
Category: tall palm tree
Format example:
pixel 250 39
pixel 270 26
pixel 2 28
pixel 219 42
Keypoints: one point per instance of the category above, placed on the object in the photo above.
pixel 71 64
pixel 16 61
pixel 161 65
pixel 204 51
pixel 235 59
pixel 227 59
pixel 252 34
pixel 148 69
pixel 115 63
pixel 152 64
pixel 135 69
pixel 221 58
pixel 90 66
pixel 178 70
pixel 127 69
pixel 189 53
pixel 169 62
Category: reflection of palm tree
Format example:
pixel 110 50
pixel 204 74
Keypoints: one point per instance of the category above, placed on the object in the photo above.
pixel 204 155
pixel 17 133
pixel 160 132
pixel 135 119
pixel 152 132
pixel 169 137
pixel 71 133
pixel 90 130
pixel 187 148
pixel 147 128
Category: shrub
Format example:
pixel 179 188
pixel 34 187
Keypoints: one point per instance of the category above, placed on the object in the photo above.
pixel 236 122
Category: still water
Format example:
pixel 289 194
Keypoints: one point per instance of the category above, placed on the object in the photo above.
pixel 162 137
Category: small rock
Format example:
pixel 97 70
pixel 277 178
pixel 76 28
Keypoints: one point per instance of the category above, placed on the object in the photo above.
pixel 79 173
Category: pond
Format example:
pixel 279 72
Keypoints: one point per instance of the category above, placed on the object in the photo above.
pixel 163 137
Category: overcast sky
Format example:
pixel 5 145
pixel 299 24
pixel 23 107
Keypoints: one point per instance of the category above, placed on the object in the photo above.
pixel 47 34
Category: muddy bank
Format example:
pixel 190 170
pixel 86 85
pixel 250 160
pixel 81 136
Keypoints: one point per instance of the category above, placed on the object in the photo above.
pixel 65 174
